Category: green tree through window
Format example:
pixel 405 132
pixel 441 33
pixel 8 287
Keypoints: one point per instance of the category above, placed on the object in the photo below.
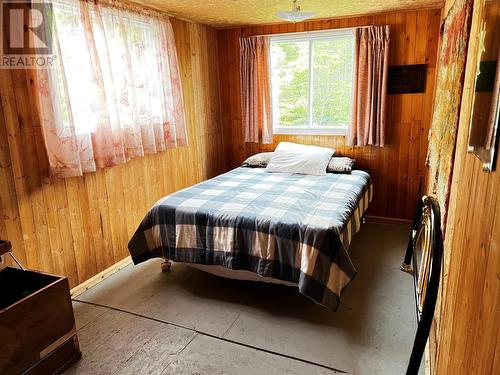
pixel 312 81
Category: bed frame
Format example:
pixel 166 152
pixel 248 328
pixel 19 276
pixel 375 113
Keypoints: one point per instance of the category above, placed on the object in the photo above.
pixel 424 252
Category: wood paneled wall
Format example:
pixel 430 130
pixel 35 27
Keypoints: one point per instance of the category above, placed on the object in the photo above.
pixel 468 334
pixel 80 226
pixel 398 170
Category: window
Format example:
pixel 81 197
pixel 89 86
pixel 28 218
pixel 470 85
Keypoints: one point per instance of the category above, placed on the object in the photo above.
pixel 127 48
pixel 114 92
pixel 311 82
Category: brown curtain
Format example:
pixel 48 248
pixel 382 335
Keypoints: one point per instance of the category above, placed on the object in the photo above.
pixel 255 89
pixel 371 59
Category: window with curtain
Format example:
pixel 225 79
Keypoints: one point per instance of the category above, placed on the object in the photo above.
pixel 312 81
pixel 114 92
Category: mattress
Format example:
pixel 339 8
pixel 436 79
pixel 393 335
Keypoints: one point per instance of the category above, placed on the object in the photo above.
pixel 289 227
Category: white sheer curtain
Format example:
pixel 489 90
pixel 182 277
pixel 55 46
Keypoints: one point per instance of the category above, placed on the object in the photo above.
pixel 115 91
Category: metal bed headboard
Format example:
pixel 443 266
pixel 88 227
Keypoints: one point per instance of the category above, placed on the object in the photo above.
pixel 425 252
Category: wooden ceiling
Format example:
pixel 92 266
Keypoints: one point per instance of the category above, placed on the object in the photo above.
pixel 230 13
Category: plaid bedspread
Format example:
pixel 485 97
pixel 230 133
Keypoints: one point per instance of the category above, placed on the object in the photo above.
pixel 290 227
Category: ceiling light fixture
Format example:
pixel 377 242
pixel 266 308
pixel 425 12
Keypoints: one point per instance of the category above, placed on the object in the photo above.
pixel 296 15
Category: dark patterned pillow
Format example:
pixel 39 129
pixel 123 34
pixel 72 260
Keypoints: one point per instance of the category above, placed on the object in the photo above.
pixel 258 160
pixel 339 164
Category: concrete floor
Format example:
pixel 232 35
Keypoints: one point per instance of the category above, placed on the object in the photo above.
pixel 144 321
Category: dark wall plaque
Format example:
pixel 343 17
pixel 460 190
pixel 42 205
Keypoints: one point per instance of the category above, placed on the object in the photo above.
pixel 406 79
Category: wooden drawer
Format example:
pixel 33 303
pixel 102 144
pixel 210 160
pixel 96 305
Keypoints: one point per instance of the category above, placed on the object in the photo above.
pixel 36 320
pixel 58 360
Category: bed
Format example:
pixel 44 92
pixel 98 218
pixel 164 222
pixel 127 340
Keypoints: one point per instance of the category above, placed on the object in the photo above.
pixel 251 224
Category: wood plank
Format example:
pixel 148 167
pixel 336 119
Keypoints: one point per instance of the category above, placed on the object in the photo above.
pixel 8 195
pixel 469 315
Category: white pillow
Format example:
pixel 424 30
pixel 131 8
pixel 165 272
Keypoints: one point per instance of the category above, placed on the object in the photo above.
pixel 298 147
pixel 297 158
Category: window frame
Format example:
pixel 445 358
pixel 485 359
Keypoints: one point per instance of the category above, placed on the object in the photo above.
pixel 308 36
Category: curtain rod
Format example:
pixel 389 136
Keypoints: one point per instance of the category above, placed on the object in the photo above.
pixel 315 31
pixel 131 7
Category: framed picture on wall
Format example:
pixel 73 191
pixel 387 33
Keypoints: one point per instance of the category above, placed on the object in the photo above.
pixel 406 79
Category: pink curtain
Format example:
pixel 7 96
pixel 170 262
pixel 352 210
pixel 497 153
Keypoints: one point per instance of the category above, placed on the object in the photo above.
pixel 114 92
pixel 255 89
pixel 371 60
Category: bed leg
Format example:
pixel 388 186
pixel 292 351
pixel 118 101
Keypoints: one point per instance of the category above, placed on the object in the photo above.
pixel 406 265
pixel 406 268
pixel 166 265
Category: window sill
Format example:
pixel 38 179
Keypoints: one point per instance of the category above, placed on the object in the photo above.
pixel 310 131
